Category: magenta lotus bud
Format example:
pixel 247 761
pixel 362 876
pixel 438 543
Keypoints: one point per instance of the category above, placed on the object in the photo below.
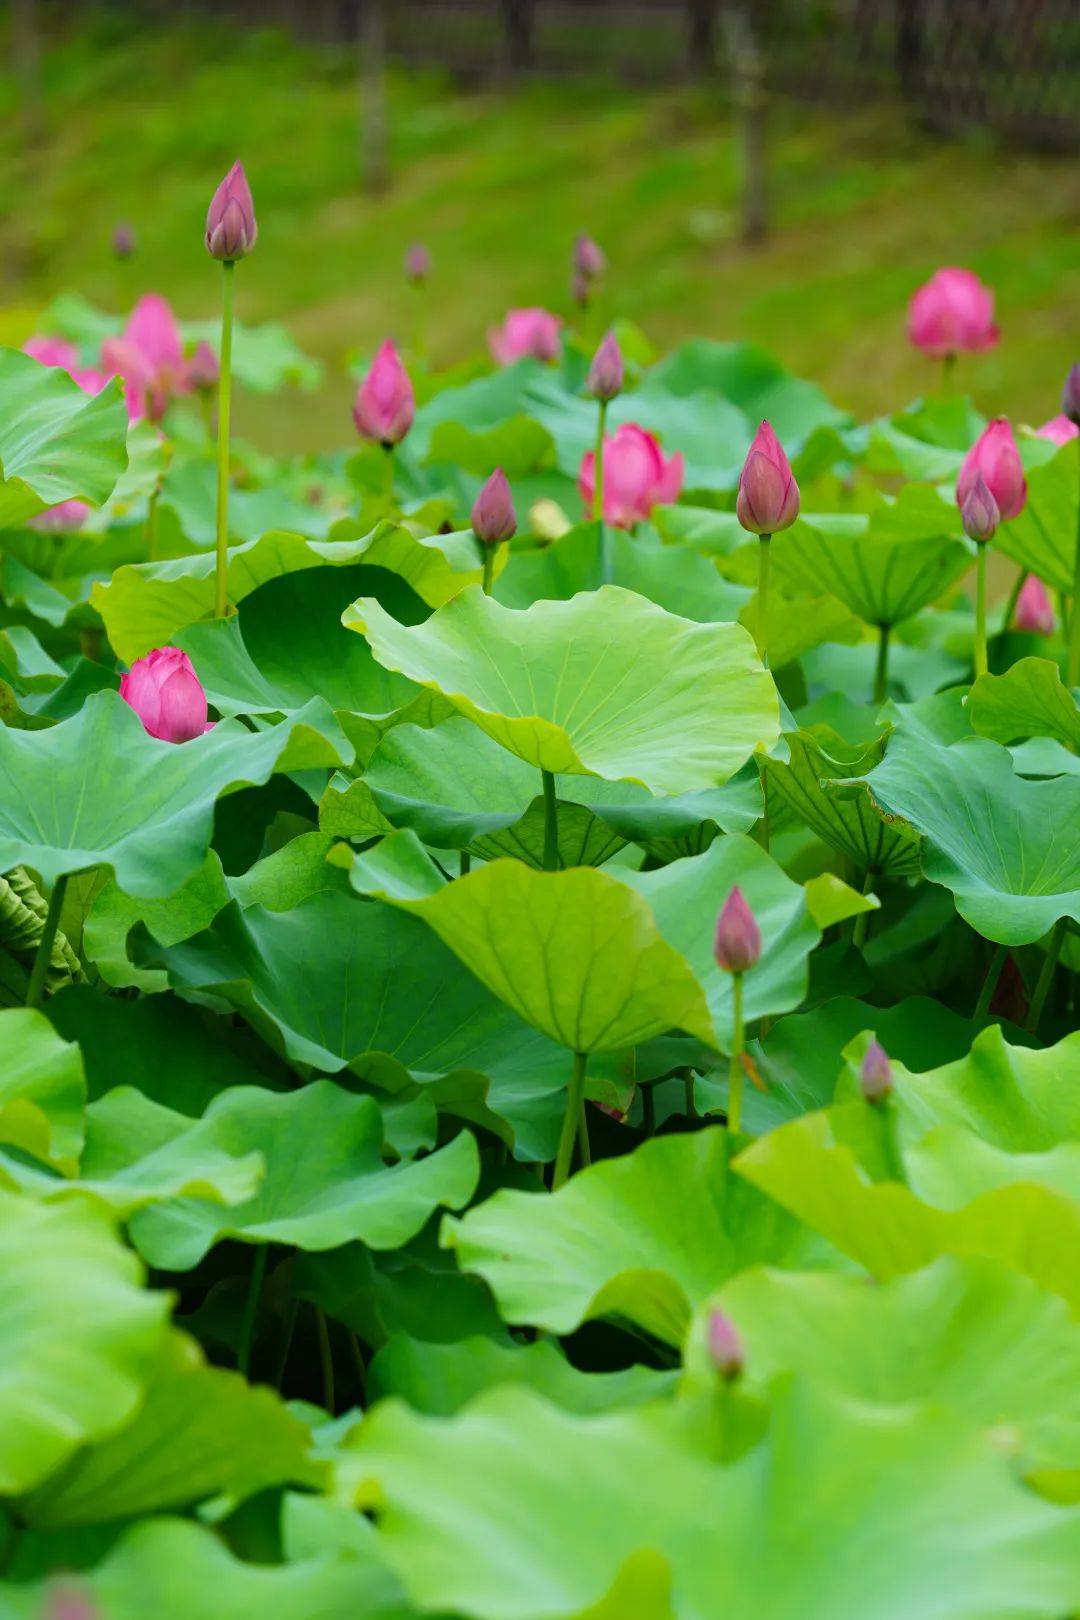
pixel 493 515
pixel 1070 395
pixel 1034 611
pixel 63 518
pixel 979 513
pixel 124 240
pixel 768 498
pixel 952 314
pixel 725 1347
pixel 203 369
pixel 167 695
pixel 589 260
pixel 637 476
pixel 605 377
pixel 875 1075
pixel 385 403
pixel 525 334
pixel 1059 430
pixel 738 938
pixel 995 456
pixel 231 230
pixel 417 263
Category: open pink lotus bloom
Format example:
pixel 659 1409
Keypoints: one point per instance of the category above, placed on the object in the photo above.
pixel 768 498
pixel 149 356
pixel 167 695
pixel 1034 611
pixel 525 334
pixel 952 313
pixel 54 351
pixel 63 518
pixel 636 476
pixel 1059 430
pixel 995 456
pixel 385 402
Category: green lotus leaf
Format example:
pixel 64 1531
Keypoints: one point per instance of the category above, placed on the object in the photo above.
pixel 78 1335
pixel 1029 700
pixel 113 914
pixel 120 799
pixel 56 442
pixel 928 441
pixel 606 684
pixel 817 757
pixel 797 623
pixel 324 1184
pixel 615 1241
pixel 548 1508
pixel 42 1090
pixel 1043 537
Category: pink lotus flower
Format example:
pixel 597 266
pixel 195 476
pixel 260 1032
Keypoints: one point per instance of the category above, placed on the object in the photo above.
pixel 875 1075
pixel 231 227
pixel 417 263
pixel 149 356
pixel 995 455
pixel 1034 612
pixel 493 515
pixel 385 403
pixel 63 518
pixel 1059 430
pixel 979 513
pixel 54 351
pixel 203 369
pixel 605 378
pixel 525 334
pixel 737 945
pixel 167 695
pixel 725 1346
pixel 768 498
pixel 588 258
pixel 636 476
pixel 953 313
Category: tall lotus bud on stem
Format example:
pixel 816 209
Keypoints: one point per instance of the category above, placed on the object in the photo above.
pixel 996 457
pixel 494 520
pixel 167 695
pixel 725 1347
pixel 737 948
pixel 385 403
pixel 1070 395
pixel 589 259
pixel 979 513
pixel 231 227
pixel 203 369
pixel 124 241
pixel 875 1074
pixel 417 264
pixel 231 233
pixel 1034 612
pixel 768 501
pixel 605 378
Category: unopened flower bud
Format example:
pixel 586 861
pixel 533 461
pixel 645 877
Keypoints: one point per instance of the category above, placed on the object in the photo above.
pixel 589 260
pixel 995 457
pixel 417 263
pixel 979 513
pixel 605 377
pixel 493 515
pixel 231 230
pixel 167 695
pixel 203 369
pixel 725 1347
pixel 385 403
pixel 875 1075
pixel 1070 395
pixel 768 498
pixel 738 938
pixel 124 241
pixel 1034 611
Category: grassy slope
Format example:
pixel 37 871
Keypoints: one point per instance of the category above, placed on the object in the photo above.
pixel 497 183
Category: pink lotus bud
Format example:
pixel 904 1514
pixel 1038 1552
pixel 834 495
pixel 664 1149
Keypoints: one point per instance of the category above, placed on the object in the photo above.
pixel 875 1075
pixel 525 334
pixel 417 263
pixel 979 513
pixel 231 229
pixel 124 240
pixel 768 498
pixel 636 476
pixel 738 938
pixel 167 695
pixel 1070 395
pixel 589 260
pixel 493 515
pixel 1059 430
pixel 725 1347
pixel 1034 612
pixel 63 518
pixel 605 377
pixel 385 403
pixel 995 455
pixel 52 351
pixel 952 314
pixel 203 369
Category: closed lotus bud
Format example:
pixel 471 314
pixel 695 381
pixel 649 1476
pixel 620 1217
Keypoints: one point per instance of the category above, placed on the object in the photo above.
pixel 203 369
pixel 875 1075
pixel 995 456
pixel 1059 430
pixel 1070 395
pixel 417 263
pixel 231 230
pixel 589 260
pixel 493 515
pixel 124 241
pixel 738 938
pixel 1034 612
pixel 605 377
pixel 768 498
pixel 385 403
pixel 952 314
pixel 979 513
pixel 725 1347
pixel 167 695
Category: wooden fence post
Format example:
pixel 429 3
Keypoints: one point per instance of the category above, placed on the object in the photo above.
pixel 748 95
pixel 517 16
pixel 371 33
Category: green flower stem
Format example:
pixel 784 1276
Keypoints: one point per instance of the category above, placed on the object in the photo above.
pixel 948 368
pixel 1014 596
pixel 584 1148
pixel 881 672
pixel 489 568
pixel 285 1345
pixel 735 1074
pixel 1046 977
pixel 464 863
pixel 1072 667
pixel 551 823
pixel 980 609
pixel 648 1109
pixel 688 1093
pixel 326 1358
pixel 152 524
pixel 40 970
pixel 388 475
pixel 598 495
pixel 224 408
pixel 862 922
pixel 764 553
pixel 575 1102
pixel 993 974
pixel 251 1308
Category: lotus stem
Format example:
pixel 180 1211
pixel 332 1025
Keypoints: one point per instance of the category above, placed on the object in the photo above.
pixel 489 569
pixel 464 863
pixel 598 495
pixel 1046 977
pixel 1014 596
pixel 551 823
pixel 881 672
pixel 862 922
pixel 286 1342
pixel 575 1102
pixel 980 610
pixel 388 476
pixel 43 956
pixel 152 524
pixel 688 1093
pixel 764 551
pixel 993 974
pixel 735 1074
pixel 326 1358
pixel 224 411
pixel 948 371
pixel 584 1148
pixel 1072 666
pixel 251 1308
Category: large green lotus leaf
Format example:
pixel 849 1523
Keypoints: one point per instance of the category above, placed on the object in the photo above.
pixel 851 825
pixel 795 624
pixel 56 442
pixel 606 684
pixel 955 1332
pixel 198 1431
pixel 441 1378
pixel 1007 848
pixel 1043 537
pixel 645 1237
pixel 325 1182
pixel 755 381
pixel 576 954
pixel 927 441
pixel 121 799
pixel 1029 700
pixel 42 1090
pixel 547 1507
pixel 145 605
pixel 78 1335
pixel 113 914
